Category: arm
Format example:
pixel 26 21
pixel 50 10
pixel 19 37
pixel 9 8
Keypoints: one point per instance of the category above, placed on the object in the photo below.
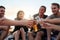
pixel 56 27
pixel 7 22
pixel 53 21
pixel 51 26
pixel 4 27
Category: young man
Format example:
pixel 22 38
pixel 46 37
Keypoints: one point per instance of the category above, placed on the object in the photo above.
pixel 42 16
pixel 5 23
pixel 53 18
pixel 38 17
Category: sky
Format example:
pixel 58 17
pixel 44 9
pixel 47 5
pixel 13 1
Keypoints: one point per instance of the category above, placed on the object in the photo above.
pixel 30 7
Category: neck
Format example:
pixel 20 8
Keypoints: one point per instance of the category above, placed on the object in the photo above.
pixel 41 16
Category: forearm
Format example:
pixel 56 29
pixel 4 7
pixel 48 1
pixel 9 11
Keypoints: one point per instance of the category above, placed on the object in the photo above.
pixel 7 22
pixel 55 27
pixel 50 26
pixel 4 27
pixel 53 21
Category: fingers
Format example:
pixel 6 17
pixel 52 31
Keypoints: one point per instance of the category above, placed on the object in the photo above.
pixel 47 25
pixel 30 23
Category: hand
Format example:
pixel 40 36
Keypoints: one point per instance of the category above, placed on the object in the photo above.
pixel 47 25
pixel 29 23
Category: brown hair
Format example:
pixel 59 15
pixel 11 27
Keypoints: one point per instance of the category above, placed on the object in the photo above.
pixel 2 7
pixel 18 14
pixel 44 7
pixel 56 4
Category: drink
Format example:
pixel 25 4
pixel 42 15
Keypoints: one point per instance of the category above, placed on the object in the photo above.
pixel 35 27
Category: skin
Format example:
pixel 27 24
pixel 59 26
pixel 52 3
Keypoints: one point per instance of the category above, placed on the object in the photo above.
pixel 39 34
pixel 41 12
pixel 55 11
pixel 21 31
pixel 8 22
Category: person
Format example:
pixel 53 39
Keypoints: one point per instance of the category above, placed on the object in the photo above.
pixel 20 30
pixel 53 18
pixel 41 13
pixel 56 14
pixel 5 23
pixel 38 17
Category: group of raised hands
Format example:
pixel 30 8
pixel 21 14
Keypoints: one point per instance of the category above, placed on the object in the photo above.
pixel 43 24
pixel 28 23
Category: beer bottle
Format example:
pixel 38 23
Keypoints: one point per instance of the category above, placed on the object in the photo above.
pixel 35 28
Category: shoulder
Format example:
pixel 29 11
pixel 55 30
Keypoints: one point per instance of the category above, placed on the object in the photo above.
pixel 46 15
pixel 35 15
pixel 51 16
